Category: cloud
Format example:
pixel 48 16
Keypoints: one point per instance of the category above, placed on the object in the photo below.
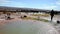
pixel 10 2
pixel 4 1
pixel 58 2
pixel 49 7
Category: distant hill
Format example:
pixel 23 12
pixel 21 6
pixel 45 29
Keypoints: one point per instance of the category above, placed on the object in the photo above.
pixel 5 8
pixel 15 8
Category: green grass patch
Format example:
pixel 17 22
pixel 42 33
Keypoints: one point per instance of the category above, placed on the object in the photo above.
pixel 35 19
pixel 45 15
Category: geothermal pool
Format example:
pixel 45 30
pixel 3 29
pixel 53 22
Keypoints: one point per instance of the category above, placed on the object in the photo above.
pixel 27 27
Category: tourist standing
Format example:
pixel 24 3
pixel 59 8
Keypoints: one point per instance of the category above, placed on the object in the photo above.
pixel 52 14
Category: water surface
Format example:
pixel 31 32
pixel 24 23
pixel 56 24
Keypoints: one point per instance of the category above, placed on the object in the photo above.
pixel 27 27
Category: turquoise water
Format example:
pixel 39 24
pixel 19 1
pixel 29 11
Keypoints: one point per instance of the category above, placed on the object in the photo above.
pixel 26 27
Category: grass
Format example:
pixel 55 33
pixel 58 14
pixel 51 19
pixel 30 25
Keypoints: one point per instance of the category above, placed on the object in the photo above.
pixel 45 15
pixel 35 19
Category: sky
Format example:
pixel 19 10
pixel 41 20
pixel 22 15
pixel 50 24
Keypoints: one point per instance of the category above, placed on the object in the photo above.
pixel 39 4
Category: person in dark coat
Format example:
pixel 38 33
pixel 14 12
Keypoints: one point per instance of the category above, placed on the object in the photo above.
pixel 52 14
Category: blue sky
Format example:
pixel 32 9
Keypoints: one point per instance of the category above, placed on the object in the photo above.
pixel 40 4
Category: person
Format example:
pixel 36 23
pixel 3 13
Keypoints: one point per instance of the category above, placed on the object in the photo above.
pixel 52 14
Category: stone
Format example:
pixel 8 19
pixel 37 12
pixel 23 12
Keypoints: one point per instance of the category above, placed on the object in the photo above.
pixel 58 22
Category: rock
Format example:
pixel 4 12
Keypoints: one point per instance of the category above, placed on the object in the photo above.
pixel 58 22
